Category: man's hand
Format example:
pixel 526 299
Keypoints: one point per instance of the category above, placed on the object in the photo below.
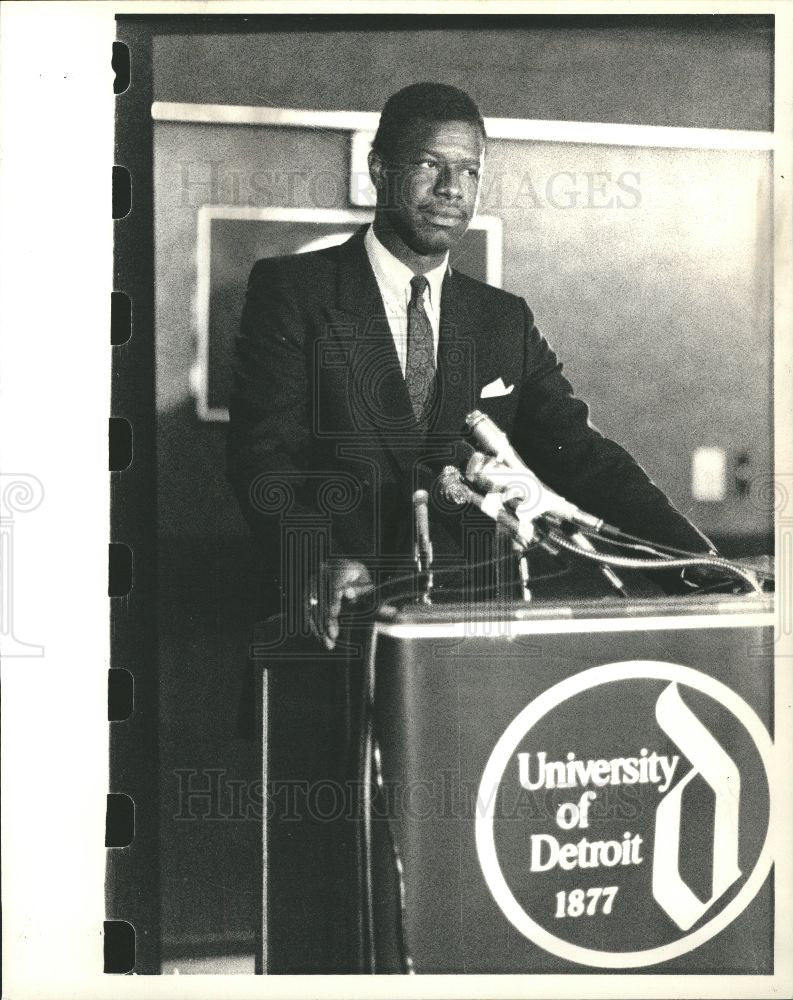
pixel 341 579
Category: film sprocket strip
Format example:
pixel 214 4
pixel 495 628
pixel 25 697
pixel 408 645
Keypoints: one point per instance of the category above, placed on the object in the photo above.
pixel 132 937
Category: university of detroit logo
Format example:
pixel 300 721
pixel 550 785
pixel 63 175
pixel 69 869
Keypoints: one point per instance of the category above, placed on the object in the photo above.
pixel 623 816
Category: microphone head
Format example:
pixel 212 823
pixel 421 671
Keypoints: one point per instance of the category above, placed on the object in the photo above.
pixel 474 417
pixel 427 472
pixel 452 486
pixel 421 523
pixel 487 434
pixel 421 513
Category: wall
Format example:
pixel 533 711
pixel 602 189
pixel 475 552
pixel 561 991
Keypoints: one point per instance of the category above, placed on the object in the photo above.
pixel 660 307
pixel 704 72
pixel 641 265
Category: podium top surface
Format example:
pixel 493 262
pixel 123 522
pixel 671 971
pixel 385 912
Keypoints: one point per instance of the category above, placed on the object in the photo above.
pixel 407 616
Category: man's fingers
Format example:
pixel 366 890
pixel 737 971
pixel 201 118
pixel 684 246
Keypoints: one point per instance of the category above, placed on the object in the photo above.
pixel 347 581
pixel 356 590
pixel 334 610
pixel 360 583
pixel 313 610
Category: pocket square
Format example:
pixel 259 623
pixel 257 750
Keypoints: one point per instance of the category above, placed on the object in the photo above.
pixel 496 388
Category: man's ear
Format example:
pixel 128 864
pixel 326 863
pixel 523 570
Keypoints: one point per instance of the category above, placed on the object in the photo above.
pixel 377 170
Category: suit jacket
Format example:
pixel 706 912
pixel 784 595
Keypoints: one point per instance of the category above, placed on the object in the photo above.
pixel 322 436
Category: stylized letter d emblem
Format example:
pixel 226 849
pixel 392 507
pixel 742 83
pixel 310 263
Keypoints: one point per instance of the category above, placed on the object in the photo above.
pixel 719 771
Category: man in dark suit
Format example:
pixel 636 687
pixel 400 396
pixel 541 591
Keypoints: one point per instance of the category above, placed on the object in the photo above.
pixel 356 366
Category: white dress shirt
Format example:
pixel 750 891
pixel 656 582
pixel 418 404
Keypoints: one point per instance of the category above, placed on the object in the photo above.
pixel 393 280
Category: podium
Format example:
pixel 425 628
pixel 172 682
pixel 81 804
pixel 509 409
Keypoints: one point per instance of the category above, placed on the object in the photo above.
pixel 518 788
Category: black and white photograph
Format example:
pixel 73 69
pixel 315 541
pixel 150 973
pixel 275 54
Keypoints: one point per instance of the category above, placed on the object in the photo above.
pixel 439 452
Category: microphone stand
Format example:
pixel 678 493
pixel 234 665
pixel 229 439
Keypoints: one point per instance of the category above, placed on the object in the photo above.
pixel 581 540
pixel 523 572
pixel 521 556
pixel 424 578
pixel 422 550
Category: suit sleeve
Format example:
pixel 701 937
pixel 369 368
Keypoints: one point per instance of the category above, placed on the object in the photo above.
pixel 269 428
pixel 554 436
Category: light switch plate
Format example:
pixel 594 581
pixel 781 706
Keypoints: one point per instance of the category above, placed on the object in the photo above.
pixel 709 474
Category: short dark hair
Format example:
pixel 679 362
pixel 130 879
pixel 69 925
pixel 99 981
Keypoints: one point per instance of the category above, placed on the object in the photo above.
pixel 436 102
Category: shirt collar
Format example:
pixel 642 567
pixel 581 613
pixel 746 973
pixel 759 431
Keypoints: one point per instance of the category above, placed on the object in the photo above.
pixel 394 276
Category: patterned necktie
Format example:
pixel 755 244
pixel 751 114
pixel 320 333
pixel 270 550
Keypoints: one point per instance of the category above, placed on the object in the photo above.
pixel 420 363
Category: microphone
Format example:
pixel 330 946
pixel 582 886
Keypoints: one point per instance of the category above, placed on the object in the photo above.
pixel 455 490
pixel 540 500
pixel 423 547
pixel 488 475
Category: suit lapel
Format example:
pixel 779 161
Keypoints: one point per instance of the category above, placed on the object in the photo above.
pixel 378 384
pixel 357 290
pixel 379 398
pixel 460 331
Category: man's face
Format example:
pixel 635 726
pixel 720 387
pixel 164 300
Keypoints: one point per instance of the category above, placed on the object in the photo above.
pixel 429 187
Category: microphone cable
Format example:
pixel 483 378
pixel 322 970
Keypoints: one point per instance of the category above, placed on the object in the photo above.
pixel 663 562
pixel 660 551
pixel 409 578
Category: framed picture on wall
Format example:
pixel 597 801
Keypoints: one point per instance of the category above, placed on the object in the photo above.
pixel 362 190
pixel 232 238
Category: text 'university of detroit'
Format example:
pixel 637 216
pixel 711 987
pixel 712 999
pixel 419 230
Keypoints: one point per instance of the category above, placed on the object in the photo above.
pixel 546 850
